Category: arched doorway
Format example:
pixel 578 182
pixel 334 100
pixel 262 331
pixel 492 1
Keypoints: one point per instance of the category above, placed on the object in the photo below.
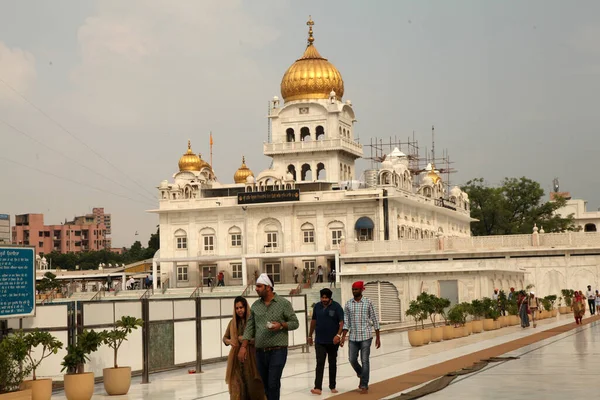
pixel 290 135
pixel 384 297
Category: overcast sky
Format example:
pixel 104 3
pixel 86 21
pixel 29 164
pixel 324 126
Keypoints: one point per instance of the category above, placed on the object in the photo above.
pixel 119 86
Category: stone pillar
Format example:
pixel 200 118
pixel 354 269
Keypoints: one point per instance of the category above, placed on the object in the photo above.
pixel 244 272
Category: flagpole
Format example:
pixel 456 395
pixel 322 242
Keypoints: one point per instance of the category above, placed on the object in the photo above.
pixel 211 145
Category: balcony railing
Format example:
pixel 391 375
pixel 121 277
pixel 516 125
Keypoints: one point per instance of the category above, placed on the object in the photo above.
pixel 314 145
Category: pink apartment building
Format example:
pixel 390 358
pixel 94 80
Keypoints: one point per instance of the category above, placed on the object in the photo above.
pixel 82 234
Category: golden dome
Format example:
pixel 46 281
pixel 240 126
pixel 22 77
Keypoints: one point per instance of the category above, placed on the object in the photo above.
pixel 189 161
pixel 435 178
pixel 242 173
pixel 203 164
pixel 311 76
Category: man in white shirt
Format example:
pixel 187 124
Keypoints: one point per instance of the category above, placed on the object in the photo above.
pixel 130 283
pixel 591 296
pixel 320 274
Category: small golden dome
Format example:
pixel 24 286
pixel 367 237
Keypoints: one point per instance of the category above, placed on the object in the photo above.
pixel 311 76
pixel 435 178
pixel 242 173
pixel 189 161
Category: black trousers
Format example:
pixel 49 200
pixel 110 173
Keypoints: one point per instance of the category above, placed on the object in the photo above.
pixel 328 351
pixel 592 306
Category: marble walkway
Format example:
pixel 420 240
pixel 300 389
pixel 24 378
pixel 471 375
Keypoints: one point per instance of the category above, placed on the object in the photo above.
pixel 397 357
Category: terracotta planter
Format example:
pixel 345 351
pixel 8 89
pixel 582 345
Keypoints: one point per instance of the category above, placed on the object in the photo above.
pixel 465 330
pixel 437 334
pixel 79 386
pixel 117 380
pixel 41 389
pixel 563 309
pixel 554 312
pixel 515 320
pixel 469 326
pixel 489 324
pixel 426 336
pixel 448 332
pixel 415 338
pixel 19 395
pixel 477 326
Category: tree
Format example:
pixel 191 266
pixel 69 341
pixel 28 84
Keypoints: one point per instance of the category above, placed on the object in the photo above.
pixel 513 208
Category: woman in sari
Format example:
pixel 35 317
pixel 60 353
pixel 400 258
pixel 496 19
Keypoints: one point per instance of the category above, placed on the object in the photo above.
pixel 243 378
pixel 522 302
pixel 578 307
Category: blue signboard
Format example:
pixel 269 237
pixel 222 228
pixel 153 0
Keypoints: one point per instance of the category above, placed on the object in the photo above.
pixel 4 217
pixel 17 282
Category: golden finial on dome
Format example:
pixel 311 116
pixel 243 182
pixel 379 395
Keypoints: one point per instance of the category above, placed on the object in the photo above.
pixel 242 173
pixel 310 24
pixel 189 161
pixel 311 76
pixel 435 178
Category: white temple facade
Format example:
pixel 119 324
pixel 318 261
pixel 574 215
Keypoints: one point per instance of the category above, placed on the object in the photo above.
pixel 309 204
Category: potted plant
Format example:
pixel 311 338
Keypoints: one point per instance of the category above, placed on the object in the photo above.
pixel 439 306
pixel 79 385
pixel 491 314
pixel 513 310
pixel 478 312
pixel 561 309
pixel 456 316
pixel 426 306
pixel 568 296
pixel 467 311
pixel 32 348
pixel 117 380
pixel 12 371
pixel 415 337
pixel 502 304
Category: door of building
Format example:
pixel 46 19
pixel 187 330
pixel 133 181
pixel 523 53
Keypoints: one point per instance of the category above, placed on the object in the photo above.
pixel 274 271
pixel 449 290
pixel 384 297
pixel 206 270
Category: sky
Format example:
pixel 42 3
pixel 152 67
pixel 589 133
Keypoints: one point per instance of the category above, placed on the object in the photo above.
pixel 99 98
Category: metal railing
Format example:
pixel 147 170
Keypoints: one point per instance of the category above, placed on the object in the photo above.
pixel 149 292
pixel 247 290
pixel 196 293
pixel 164 285
pixel 99 294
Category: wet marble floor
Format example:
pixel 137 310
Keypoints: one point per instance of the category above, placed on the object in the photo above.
pixel 396 357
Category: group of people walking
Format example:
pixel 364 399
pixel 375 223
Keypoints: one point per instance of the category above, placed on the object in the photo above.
pixel 593 301
pixel 258 336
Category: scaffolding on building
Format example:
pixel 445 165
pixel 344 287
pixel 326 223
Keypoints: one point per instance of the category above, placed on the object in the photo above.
pixel 378 149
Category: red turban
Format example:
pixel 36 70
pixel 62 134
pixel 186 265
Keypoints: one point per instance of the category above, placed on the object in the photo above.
pixel 358 285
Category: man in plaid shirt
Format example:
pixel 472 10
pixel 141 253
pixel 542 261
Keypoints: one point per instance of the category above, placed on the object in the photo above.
pixel 360 319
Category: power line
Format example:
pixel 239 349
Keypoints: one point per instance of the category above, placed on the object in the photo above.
pixel 72 180
pixel 68 158
pixel 73 135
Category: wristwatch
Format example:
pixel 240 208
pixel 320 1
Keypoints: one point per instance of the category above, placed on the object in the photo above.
pixel 280 326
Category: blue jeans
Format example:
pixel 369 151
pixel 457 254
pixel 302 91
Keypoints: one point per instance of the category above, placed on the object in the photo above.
pixel 365 351
pixel 270 367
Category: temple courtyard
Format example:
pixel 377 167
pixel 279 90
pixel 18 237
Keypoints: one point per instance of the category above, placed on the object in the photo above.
pixel 556 360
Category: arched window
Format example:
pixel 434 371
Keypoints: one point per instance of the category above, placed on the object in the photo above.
pixel 336 232
pixel 320 132
pixel 235 236
pixel 292 170
pixel 305 134
pixel 340 128
pixel 306 172
pixel 272 234
pixel 269 184
pixel 589 228
pixel 321 173
pixel 364 228
pixel 308 233
pixel 290 135
pixel 180 239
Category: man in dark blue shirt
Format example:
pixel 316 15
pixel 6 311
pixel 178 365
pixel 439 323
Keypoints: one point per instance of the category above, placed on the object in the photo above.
pixel 328 322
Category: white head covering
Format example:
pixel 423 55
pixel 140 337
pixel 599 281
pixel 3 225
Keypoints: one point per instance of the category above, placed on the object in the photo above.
pixel 532 292
pixel 263 279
